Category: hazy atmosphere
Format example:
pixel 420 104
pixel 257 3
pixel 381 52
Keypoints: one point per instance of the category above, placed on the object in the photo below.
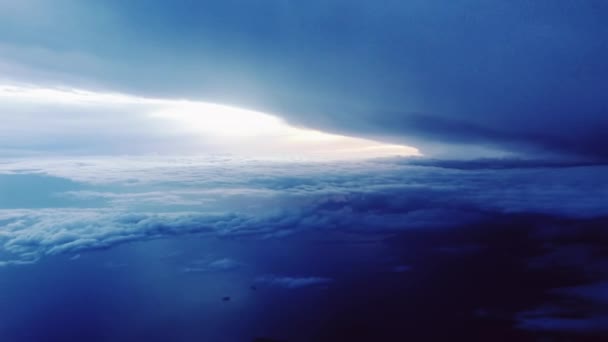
pixel 283 170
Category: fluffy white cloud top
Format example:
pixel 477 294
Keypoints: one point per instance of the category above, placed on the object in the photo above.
pixel 131 199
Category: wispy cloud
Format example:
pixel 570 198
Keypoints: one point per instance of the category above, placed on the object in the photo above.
pixel 205 266
pixel 293 282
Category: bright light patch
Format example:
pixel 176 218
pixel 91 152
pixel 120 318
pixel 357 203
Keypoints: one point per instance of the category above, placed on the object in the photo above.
pixel 213 128
pixel 218 120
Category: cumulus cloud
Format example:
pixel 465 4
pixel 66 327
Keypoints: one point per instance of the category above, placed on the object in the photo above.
pixel 386 184
pixel 168 198
pixel 28 235
pixel 152 197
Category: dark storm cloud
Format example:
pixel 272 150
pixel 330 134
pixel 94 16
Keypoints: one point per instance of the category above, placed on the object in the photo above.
pixel 576 252
pixel 476 283
pixel 521 76
pixel 496 163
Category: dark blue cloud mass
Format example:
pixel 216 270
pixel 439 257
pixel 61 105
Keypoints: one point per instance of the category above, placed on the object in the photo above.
pixel 517 76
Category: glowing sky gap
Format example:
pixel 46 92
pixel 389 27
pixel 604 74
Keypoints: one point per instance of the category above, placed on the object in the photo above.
pixel 213 127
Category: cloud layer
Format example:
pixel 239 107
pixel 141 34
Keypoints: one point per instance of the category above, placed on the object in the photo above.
pixel 527 78
pixel 131 199
pixel 72 121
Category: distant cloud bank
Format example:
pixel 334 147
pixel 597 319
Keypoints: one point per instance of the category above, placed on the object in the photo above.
pixel 131 199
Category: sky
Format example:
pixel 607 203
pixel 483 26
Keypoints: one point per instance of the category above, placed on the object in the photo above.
pixel 287 170
pixel 73 121
pixel 451 78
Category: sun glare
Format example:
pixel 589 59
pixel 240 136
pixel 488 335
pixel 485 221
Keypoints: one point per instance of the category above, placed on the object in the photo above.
pixel 228 129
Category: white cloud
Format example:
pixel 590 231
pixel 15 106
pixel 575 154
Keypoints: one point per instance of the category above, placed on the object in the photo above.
pixel 130 199
pixel 27 235
pixel 78 121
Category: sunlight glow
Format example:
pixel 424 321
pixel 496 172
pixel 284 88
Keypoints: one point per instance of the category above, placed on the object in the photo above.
pixel 221 128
